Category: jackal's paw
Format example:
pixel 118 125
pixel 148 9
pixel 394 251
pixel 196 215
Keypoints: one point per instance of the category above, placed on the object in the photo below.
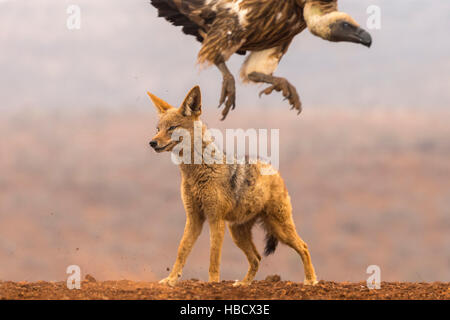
pixel 242 283
pixel 288 90
pixel 310 282
pixel 169 281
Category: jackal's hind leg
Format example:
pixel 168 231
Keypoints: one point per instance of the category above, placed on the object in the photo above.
pixel 242 237
pixel 279 220
pixel 286 233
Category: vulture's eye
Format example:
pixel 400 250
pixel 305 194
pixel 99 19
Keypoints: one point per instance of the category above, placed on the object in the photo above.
pixel 346 25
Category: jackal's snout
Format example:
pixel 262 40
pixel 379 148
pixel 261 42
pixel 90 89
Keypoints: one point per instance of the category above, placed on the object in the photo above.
pixel 160 145
pixel 153 144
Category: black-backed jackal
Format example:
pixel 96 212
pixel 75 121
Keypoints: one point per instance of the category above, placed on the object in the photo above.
pixel 234 194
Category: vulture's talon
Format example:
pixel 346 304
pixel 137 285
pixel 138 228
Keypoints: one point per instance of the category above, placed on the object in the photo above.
pixel 267 91
pixel 288 90
pixel 228 95
pixel 225 111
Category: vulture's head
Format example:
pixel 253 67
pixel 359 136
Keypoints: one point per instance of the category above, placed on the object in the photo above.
pixel 335 26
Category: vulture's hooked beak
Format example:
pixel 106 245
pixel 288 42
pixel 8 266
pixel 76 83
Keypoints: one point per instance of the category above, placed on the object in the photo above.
pixel 364 37
pixel 345 31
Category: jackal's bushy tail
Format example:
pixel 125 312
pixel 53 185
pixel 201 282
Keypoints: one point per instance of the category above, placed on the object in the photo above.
pixel 271 244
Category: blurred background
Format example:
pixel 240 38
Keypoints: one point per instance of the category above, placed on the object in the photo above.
pixel 366 163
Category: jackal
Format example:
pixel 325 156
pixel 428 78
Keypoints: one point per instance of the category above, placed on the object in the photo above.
pixel 234 194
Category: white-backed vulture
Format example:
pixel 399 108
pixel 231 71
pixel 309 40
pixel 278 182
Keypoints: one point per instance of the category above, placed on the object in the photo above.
pixel 263 27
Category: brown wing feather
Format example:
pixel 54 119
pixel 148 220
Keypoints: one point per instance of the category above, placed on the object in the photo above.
pixel 224 38
pixel 194 16
pixel 169 10
pixel 272 23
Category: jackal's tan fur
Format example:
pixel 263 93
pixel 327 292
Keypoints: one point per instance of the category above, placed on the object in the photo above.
pixel 234 194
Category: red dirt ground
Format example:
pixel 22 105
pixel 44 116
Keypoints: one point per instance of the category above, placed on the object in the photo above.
pixel 196 290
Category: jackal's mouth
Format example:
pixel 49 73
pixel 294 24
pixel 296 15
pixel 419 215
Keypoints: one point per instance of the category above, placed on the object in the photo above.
pixel 166 147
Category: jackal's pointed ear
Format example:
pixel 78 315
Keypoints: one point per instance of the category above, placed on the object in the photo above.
pixel 160 104
pixel 192 104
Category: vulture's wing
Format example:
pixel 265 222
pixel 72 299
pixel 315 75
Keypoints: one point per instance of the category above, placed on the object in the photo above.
pixel 195 16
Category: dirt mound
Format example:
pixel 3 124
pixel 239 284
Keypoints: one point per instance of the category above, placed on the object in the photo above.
pixel 194 289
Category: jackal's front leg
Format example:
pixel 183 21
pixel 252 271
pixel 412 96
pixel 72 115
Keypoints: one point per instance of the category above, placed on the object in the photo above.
pixel 217 231
pixel 192 230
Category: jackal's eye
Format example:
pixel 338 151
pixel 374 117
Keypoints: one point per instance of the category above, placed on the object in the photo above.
pixel 172 128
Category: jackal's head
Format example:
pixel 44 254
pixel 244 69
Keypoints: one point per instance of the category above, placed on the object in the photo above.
pixel 171 118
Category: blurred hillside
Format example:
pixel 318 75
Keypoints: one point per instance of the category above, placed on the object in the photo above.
pixel 83 187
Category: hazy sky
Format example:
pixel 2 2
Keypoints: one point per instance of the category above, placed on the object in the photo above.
pixel 122 50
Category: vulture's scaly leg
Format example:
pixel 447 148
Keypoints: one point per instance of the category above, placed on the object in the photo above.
pixel 228 95
pixel 260 66
pixel 224 37
pixel 278 84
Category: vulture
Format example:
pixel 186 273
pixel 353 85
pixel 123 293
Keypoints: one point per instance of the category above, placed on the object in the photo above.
pixel 265 28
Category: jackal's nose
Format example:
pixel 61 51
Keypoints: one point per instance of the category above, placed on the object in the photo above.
pixel 153 144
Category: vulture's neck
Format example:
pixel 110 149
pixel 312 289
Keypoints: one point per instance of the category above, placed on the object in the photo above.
pixel 319 17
